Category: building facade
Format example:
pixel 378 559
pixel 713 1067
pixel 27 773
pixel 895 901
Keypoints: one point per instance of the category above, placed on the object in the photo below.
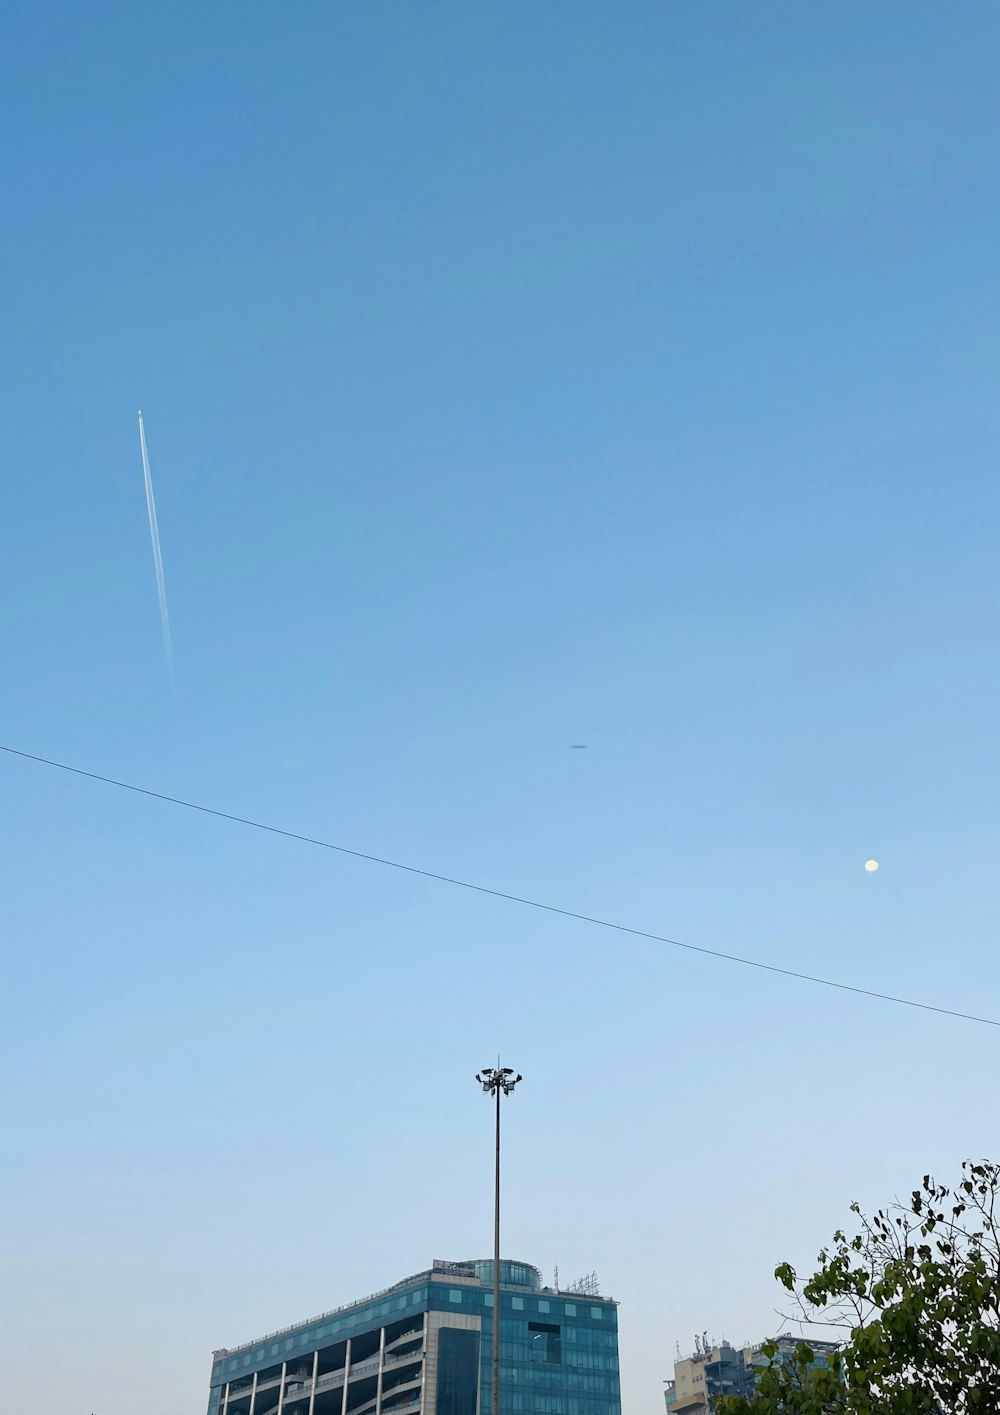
pixel 722 1369
pixel 424 1347
pixel 711 1371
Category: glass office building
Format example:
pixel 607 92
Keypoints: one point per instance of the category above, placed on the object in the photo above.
pixel 424 1347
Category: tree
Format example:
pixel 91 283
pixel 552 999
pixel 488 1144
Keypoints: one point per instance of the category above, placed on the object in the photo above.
pixel 916 1292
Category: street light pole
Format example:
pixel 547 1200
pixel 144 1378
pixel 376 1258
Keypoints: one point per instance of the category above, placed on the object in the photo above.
pixel 497 1082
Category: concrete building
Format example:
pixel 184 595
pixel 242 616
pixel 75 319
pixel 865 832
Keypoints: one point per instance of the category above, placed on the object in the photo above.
pixel 711 1371
pixel 424 1347
pixel 722 1369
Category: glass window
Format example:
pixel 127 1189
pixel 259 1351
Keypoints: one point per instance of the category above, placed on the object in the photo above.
pixel 570 1309
pixel 544 1344
pixel 454 1294
pixel 458 1372
pixel 543 1306
pixel 597 1313
pixel 517 1303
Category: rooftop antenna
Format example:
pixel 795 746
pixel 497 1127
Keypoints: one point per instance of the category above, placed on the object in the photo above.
pixel 555 1278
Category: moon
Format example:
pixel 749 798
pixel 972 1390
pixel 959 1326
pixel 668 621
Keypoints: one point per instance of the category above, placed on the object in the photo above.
pixel 871 866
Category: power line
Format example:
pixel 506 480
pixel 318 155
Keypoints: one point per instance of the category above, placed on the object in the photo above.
pixel 498 893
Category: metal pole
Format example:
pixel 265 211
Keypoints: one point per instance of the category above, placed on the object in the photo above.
pixel 498 1083
pixel 496 1273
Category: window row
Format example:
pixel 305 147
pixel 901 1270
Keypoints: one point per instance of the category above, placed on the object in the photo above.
pixel 474 1296
pixel 598 1404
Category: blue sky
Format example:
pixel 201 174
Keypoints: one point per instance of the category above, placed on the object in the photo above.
pixel 514 376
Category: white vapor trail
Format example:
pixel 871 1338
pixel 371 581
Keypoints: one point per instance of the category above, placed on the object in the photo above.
pixel 154 535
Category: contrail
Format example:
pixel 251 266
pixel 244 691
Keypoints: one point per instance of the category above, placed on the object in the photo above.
pixel 154 535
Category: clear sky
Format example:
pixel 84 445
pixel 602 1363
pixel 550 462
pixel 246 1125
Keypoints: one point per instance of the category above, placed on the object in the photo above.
pixel 514 375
